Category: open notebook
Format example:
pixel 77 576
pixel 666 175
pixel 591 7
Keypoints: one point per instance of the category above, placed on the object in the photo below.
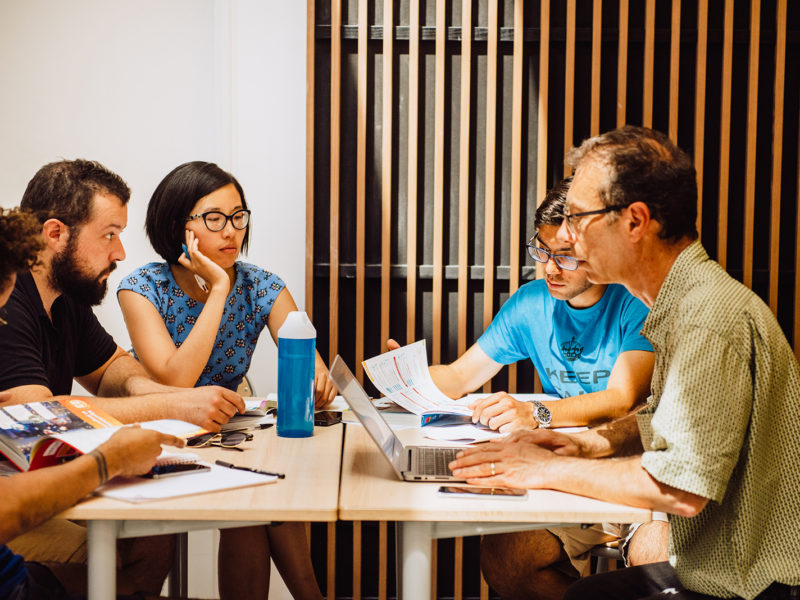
pixel 137 489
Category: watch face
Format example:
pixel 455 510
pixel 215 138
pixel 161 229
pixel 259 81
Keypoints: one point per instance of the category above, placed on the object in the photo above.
pixel 543 415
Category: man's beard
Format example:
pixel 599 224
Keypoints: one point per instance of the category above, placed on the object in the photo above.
pixel 67 277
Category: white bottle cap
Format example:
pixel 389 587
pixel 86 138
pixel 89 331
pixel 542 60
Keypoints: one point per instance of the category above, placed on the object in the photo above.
pixel 297 326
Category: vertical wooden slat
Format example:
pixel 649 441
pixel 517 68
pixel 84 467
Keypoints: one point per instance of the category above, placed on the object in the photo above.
pixel 331 583
pixel 458 568
pixel 569 83
pixel 484 589
pixel 541 124
pixel 413 129
pixel 356 560
pixel 700 105
pixel 463 173
pixel 438 180
pixel 597 39
pixel 361 183
pixel 491 136
pixel 434 567
pixel 386 169
pixel 649 54
pixel 777 155
pixel 516 163
pixel 383 541
pixel 542 102
pixel 674 69
pixel 310 57
pixel 622 64
pixel 725 136
pixel 752 130
pixel 336 82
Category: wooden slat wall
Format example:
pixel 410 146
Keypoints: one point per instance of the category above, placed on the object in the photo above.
pixel 417 212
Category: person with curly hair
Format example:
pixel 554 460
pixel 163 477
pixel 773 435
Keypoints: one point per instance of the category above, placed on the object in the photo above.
pixel 20 244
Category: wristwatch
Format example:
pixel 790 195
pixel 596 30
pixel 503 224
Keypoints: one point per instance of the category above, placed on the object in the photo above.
pixel 542 414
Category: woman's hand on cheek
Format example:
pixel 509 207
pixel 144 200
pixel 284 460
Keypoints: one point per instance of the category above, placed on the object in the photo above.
pixel 201 265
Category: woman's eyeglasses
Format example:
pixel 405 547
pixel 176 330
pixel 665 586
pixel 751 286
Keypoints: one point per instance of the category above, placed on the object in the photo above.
pixel 230 440
pixel 217 221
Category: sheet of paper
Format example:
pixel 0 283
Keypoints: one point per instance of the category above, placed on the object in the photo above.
pixel 462 434
pixel 402 376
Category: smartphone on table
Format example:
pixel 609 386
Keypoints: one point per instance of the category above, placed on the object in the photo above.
pixel 161 471
pixel 462 491
pixel 324 418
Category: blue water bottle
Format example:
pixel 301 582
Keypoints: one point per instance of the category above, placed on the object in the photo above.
pixel 297 340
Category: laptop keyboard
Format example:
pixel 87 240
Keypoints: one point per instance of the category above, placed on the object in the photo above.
pixel 433 461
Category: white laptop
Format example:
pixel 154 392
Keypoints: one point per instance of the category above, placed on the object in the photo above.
pixel 411 463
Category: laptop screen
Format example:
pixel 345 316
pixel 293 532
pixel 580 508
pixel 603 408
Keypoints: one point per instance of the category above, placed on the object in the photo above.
pixel 360 403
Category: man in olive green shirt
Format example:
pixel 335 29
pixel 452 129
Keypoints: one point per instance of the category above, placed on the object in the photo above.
pixel 717 446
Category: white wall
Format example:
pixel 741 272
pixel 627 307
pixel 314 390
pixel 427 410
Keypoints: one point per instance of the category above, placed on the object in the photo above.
pixel 144 85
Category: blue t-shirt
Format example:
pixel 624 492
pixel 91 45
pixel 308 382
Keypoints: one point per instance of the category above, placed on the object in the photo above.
pixel 245 316
pixel 573 349
pixel 12 571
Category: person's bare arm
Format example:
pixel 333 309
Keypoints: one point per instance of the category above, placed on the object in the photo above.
pixel 324 390
pixel 121 375
pixel 524 461
pixel 33 497
pixel 628 386
pixel 208 407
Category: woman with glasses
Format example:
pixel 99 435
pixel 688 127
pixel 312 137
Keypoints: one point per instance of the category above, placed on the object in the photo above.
pixel 195 319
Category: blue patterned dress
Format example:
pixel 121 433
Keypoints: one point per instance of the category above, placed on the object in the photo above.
pixel 246 313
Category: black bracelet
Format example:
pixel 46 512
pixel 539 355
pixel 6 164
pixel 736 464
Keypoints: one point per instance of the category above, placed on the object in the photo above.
pixel 102 467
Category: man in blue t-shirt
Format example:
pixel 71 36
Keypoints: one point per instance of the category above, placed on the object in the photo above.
pixel 585 343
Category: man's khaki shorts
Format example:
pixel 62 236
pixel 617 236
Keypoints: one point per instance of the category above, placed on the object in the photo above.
pixel 54 541
pixel 577 541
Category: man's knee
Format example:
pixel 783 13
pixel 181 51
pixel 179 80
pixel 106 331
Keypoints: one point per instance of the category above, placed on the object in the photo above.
pixel 649 544
pixel 509 558
pixel 145 562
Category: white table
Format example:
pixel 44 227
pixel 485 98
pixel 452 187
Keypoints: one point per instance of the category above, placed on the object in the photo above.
pixel 370 490
pixel 309 493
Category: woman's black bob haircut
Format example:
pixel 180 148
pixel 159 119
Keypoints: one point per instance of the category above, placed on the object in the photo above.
pixel 174 199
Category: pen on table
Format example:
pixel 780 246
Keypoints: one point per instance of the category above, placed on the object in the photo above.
pixel 222 463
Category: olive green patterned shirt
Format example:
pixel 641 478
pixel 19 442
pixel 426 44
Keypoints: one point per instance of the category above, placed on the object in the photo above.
pixel 723 422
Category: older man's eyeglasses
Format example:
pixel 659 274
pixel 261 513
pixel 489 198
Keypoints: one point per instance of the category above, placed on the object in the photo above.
pixel 568 263
pixel 217 221
pixel 572 219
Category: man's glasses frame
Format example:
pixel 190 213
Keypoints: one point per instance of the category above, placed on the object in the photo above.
pixel 243 214
pixel 568 263
pixel 600 211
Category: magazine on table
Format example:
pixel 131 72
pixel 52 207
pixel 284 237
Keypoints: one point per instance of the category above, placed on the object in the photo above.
pixel 42 434
pixel 403 377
